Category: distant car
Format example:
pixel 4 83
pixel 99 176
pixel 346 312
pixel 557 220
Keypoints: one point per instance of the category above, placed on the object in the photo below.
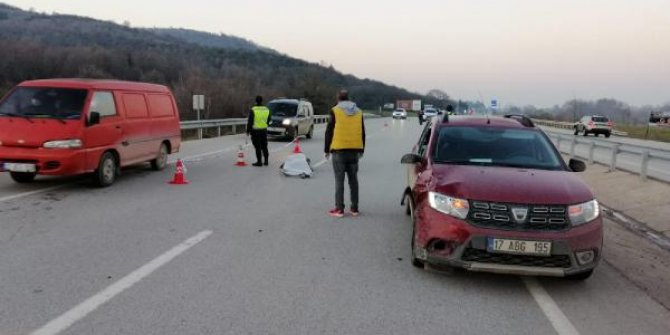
pixel 291 118
pixel 594 124
pixel 76 126
pixel 428 113
pixel 399 113
pixel 494 195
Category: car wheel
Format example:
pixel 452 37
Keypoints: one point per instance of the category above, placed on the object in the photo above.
pixel 23 177
pixel 311 132
pixel 596 134
pixel 576 131
pixel 415 261
pixel 581 276
pixel 586 133
pixel 107 170
pixel 608 134
pixel 160 162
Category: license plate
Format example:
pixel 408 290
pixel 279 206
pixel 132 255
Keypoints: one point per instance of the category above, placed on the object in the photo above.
pixel 19 167
pixel 276 129
pixel 521 247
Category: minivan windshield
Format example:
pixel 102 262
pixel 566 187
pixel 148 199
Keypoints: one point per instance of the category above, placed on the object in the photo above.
pixel 44 102
pixel 495 147
pixel 283 109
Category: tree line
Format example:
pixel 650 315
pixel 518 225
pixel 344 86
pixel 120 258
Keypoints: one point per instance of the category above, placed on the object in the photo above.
pixel 36 45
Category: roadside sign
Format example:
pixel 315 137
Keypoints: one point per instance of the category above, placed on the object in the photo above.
pixel 198 102
pixel 494 103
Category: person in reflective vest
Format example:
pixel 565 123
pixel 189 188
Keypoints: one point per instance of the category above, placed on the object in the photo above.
pixel 257 127
pixel 345 142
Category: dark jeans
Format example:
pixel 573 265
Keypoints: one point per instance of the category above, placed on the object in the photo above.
pixel 259 138
pixel 346 162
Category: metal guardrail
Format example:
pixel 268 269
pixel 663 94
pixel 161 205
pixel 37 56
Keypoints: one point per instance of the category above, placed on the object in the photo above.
pixel 569 125
pixel 199 125
pixel 615 149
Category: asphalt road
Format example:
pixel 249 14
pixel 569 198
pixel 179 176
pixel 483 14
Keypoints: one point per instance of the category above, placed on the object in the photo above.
pixel 248 251
pixel 657 168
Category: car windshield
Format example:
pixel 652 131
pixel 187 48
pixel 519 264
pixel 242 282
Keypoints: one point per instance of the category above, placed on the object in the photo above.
pixel 495 147
pixel 44 102
pixel 283 109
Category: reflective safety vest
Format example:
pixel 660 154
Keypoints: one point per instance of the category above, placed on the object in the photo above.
pixel 348 132
pixel 261 114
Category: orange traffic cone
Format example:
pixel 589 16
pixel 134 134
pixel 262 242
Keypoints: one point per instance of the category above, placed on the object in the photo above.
pixel 179 174
pixel 240 157
pixel 296 148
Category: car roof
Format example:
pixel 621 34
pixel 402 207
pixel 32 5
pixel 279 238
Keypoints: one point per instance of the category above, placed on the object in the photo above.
pixel 99 84
pixel 473 121
pixel 290 101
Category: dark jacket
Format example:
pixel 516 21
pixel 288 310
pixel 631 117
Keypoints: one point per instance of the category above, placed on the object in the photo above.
pixel 330 130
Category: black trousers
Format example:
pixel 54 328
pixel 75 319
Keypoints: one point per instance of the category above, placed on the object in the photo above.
pixel 346 163
pixel 259 138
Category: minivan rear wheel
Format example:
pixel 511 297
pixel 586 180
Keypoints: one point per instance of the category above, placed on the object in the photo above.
pixel 160 162
pixel 23 177
pixel 105 175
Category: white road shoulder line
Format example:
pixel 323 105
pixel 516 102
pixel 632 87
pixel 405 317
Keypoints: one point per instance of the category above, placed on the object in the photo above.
pixel 67 319
pixel 558 320
pixel 29 193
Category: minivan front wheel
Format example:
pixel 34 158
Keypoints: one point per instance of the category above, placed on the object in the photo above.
pixel 105 175
pixel 415 261
pixel 160 162
pixel 311 132
pixel 23 177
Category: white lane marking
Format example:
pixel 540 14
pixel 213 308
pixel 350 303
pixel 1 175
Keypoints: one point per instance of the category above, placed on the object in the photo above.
pixel 558 320
pixel 67 319
pixel 29 193
pixel 323 161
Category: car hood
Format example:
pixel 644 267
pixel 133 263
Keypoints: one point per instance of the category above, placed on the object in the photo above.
pixel 510 185
pixel 18 132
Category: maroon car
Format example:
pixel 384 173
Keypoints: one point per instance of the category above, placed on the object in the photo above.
pixel 494 194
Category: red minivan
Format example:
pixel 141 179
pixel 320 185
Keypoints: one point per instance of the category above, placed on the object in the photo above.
pixel 76 126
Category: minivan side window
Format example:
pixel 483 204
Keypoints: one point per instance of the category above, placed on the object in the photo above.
pixel 103 103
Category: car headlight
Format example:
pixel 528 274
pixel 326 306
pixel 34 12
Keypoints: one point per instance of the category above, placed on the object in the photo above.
pixel 449 205
pixel 286 122
pixel 63 144
pixel 583 213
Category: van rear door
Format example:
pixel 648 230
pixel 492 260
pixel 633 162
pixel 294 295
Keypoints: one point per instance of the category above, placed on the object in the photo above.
pixel 164 121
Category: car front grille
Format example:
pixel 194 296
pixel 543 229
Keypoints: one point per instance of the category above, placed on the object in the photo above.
pixel 518 217
pixel 483 256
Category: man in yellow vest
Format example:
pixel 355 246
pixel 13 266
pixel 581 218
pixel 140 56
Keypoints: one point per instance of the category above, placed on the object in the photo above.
pixel 345 141
pixel 257 127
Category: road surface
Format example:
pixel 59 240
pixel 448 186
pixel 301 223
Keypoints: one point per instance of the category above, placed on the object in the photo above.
pixel 248 251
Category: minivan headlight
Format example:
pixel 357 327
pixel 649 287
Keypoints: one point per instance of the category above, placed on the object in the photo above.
pixel 286 122
pixel 63 144
pixel 583 213
pixel 449 205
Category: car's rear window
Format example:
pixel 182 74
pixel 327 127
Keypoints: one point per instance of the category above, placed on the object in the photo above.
pixel 600 119
pixel 524 148
pixel 44 102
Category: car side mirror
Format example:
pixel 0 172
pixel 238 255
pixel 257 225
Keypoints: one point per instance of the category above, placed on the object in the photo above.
pixel 411 159
pixel 93 118
pixel 576 165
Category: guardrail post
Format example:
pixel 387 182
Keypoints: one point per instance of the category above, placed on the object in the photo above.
pixel 592 147
pixel 615 151
pixel 234 129
pixel 573 144
pixel 645 164
pixel 219 131
pixel 200 133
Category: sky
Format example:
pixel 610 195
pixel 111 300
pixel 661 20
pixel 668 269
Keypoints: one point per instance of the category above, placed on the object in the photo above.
pixel 540 52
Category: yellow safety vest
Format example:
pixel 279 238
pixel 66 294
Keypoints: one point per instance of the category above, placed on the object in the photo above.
pixel 261 114
pixel 348 132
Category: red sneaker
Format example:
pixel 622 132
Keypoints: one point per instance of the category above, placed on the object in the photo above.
pixel 336 212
